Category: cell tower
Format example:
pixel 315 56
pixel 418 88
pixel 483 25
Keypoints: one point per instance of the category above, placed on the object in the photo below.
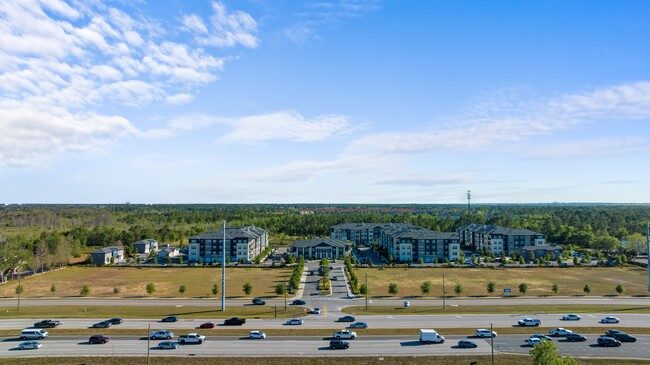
pixel 469 198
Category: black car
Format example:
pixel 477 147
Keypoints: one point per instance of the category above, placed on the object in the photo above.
pixel 574 337
pixel 608 341
pixel 103 324
pixel 611 333
pixel 346 319
pixel 170 319
pixel 298 302
pixel 339 344
pixel 624 337
pixel 47 323
pixel 467 344
pixel 98 339
pixel 259 301
pixel 114 321
pixel 234 321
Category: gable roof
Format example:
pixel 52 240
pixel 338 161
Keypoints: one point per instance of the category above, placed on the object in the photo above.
pixel 250 232
pixel 318 241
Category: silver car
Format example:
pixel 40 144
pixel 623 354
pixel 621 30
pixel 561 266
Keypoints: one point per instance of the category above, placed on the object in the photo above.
pixel 30 345
pixel 295 321
pixel 358 325
pixel 168 345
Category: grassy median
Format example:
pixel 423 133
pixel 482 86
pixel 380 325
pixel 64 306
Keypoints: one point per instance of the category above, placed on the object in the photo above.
pixel 496 309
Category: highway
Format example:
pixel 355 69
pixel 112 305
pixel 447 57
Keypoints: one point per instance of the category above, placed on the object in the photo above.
pixel 314 346
pixel 379 321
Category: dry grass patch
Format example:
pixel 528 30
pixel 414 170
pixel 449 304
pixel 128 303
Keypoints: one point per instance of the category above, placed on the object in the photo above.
pixel 571 281
pixel 132 282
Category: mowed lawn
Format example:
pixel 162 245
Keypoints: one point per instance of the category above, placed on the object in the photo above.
pixel 132 282
pixel 571 281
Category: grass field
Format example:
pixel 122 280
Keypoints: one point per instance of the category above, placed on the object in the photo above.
pixel 132 282
pixel 498 309
pixel 571 281
pixel 340 360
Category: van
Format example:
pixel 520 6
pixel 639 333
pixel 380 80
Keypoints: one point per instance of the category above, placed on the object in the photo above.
pixel 33 334
pixel 431 336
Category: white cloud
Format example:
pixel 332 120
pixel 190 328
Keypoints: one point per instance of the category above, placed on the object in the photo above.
pixel 590 148
pixel 625 101
pixel 226 28
pixel 285 125
pixel 69 60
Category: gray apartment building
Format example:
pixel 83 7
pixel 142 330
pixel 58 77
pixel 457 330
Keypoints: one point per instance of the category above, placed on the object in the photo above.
pixel 409 243
pixel 241 243
pixel 361 234
pixel 496 239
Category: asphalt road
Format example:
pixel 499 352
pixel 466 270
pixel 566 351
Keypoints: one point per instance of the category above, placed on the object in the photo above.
pixel 328 320
pixel 315 346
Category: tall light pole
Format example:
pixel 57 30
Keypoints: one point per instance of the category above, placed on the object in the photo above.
pixel 366 292
pixel 647 247
pixel 223 270
pixel 443 290
pixel 19 289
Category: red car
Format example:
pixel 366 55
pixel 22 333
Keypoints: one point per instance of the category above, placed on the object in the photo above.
pixel 208 325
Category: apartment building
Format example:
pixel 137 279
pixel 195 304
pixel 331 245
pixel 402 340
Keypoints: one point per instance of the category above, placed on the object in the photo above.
pixel 320 248
pixel 408 243
pixel 362 234
pixel 496 239
pixel 241 243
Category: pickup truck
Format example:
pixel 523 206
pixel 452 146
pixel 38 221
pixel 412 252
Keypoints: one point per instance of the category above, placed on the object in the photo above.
pixel 191 338
pixel 528 322
pixel 47 323
pixel 345 334
pixel 234 321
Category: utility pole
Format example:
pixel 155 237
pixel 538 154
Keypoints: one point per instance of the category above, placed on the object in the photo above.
pixel 647 247
pixel 19 290
pixel 443 290
pixel 148 342
pixel 366 292
pixel 286 289
pixel 223 270
pixel 492 342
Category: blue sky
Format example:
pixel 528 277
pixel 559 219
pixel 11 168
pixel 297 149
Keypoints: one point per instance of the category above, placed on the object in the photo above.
pixel 341 101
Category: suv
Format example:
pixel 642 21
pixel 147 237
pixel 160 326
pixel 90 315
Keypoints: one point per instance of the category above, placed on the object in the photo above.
pixel 259 301
pixel 98 339
pixel 482 332
pixel 234 321
pixel 339 344
pixel 298 302
pixel 608 341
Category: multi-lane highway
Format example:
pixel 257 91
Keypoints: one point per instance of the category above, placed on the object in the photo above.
pixel 381 321
pixel 314 346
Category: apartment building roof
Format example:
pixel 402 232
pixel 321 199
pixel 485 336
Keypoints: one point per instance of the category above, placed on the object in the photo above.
pixel 232 233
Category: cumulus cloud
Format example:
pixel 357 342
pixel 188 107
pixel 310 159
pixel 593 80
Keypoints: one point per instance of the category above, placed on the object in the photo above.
pixel 225 28
pixel 70 60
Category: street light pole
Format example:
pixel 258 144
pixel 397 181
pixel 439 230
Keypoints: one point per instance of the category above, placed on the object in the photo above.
pixel 492 342
pixel 366 292
pixel 223 270
pixel 443 290
pixel 19 290
pixel 286 289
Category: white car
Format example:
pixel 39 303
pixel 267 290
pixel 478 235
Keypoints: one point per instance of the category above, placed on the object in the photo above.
pixel 30 345
pixel 610 320
pixel 559 332
pixel 571 317
pixel 162 334
pixel 256 335
pixel 315 311
pixel 534 341
pixel 482 332
pixel 295 322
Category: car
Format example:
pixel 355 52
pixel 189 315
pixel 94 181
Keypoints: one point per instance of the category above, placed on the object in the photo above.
pixel 164 334
pixel 168 345
pixel 169 319
pixel 98 339
pixel 574 337
pixel 256 335
pixel 339 344
pixel 534 341
pixel 30 345
pixel 624 337
pixel 610 320
pixel 571 317
pixel 115 321
pixel 315 311
pixel 298 302
pixel 559 332
pixel 259 301
pixel 294 322
pixel 103 324
pixel 346 319
pixel 47 323
pixel 467 344
pixel 608 341
pixel 529 322
pixel 482 332
pixel 541 336
pixel 358 325
pixel 611 333
pixel 208 325
pixel 234 321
